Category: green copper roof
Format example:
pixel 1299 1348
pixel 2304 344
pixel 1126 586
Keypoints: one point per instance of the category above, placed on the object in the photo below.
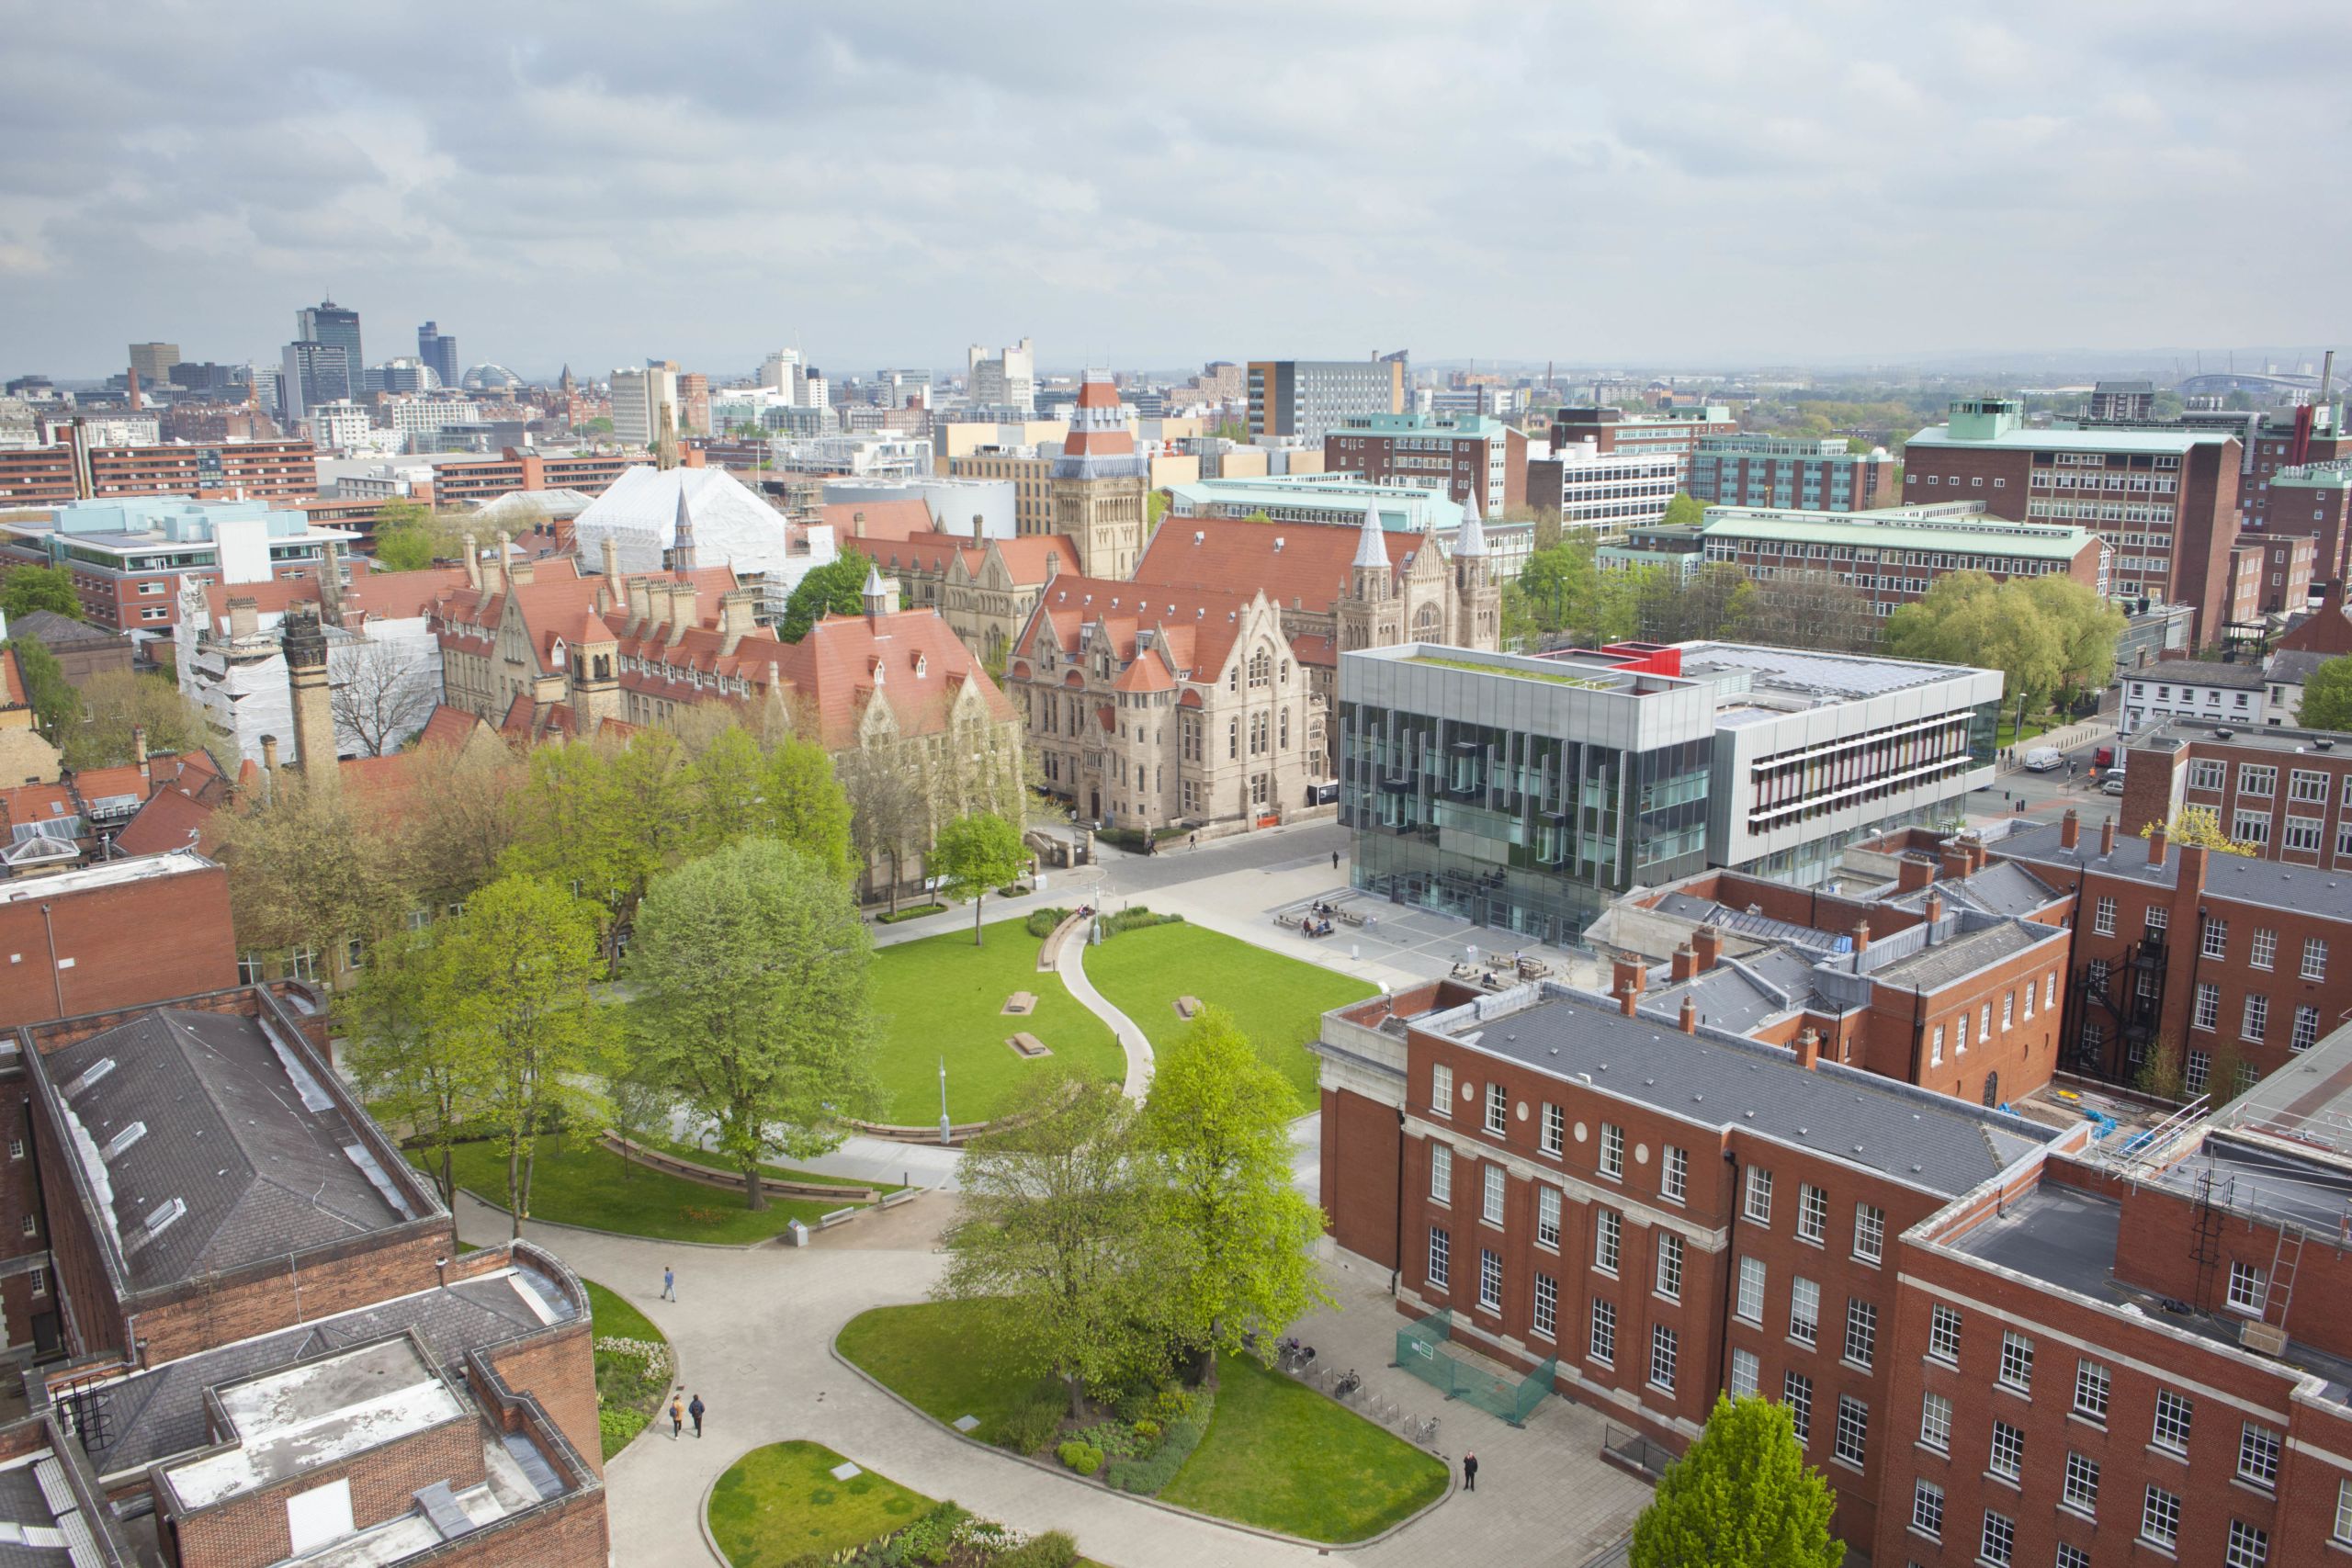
pixel 1893 530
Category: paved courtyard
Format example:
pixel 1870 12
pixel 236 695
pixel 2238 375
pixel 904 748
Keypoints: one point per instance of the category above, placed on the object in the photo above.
pixel 752 1330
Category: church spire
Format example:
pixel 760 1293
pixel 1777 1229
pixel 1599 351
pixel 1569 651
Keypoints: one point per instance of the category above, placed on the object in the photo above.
pixel 681 543
pixel 1372 544
pixel 1472 540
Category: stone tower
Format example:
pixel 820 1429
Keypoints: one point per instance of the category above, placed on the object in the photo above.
pixel 1478 598
pixel 305 641
pixel 595 667
pixel 1368 611
pixel 1098 483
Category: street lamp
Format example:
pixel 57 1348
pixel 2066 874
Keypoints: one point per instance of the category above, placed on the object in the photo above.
pixel 942 1100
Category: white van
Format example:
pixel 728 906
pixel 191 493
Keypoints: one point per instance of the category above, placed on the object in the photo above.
pixel 2044 759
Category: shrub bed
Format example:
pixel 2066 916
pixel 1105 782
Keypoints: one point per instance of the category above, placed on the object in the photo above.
pixel 1135 840
pixel 1041 922
pixel 1136 919
pixel 633 1367
pixel 912 912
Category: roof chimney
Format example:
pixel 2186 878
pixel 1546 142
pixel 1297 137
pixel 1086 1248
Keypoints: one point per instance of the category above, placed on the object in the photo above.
pixel 2070 829
pixel 244 616
pixel 1913 873
pixel 736 608
pixel 1935 912
pixel 493 571
pixel 139 747
pixel 2158 842
pixel 1955 859
pixel 1628 975
pixel 1690 1014
pixel 682 611
pixel 640 604
pixel 1809 1048
pixel 269 754
pixel 1685 963
pixel 473 561
pixel 857 524
pixel 979 527
pixel 1707 942
pixel 2106 837
pixel 1861 936
pixel 523 572
pixel 611 552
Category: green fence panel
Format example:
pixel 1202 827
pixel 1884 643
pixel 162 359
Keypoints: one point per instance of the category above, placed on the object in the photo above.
pixel 1424 1349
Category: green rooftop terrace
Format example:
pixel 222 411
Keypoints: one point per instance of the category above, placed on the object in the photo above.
pixel 1587 683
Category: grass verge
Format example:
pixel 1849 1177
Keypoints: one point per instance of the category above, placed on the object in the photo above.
pixel 925 1353
pixel 780 1503
pixel 587 1186
pixel 942 997
pixel 1277 1001
pixel 629 1388
pixel 1281 1456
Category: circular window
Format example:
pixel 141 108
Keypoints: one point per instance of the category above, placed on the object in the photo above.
pixel 1579 1132
pixel 1522 1110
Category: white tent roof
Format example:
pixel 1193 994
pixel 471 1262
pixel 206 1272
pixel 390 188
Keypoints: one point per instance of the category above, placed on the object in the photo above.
pixel 733 525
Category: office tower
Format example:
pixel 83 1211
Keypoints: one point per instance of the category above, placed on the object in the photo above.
pixel 154 362
pixel 329 322
pixel 438 350
pixel 314 373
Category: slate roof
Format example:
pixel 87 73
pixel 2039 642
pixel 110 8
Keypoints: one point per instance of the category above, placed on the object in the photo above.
pixel 2264 883
pixel 58 631
pixel 1958 956
pixel 2003 888
pixel 2201 672
pixel 1739 994
pixel 2293 667
pixel 205 1114
pixel 1720 1081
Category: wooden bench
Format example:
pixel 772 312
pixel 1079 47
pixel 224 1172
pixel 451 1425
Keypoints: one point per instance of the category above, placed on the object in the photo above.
pixel 1288 922
pixel 1027 1044
pixel 1021 1003
pixel 1349 917
pixel 838 1217
pixel 1186 1007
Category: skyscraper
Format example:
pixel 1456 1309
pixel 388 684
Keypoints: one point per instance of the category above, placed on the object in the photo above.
pixel 153 361
pixel 315 373
pixel 438 351
pixel 330 323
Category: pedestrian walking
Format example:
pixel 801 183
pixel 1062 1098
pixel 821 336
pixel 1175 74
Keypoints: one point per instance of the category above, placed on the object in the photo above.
pixel 695 1410
pixel 677 1418
pixel 669 1283
pixel 1469 1473
pixel 1334 860
pixel 1195 842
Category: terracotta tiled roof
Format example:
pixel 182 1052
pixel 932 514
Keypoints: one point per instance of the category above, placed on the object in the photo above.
pixel 1149 673
pixel 447 726
pixel 1310 568
pixel 37 803
pixel 884 519
pixel 912 660
pixel 386 595
pixel 12 678
pixel 166 822
pixel 1026 557
pixel 1193 627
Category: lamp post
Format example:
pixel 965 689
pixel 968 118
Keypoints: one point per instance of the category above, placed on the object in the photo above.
pixel 942 1100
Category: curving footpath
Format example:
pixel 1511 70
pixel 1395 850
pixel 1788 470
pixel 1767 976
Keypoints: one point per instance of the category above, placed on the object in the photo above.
pixel 1070 964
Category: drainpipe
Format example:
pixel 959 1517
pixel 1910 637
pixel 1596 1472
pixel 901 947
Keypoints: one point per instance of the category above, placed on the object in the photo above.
pixel 56 983
pixel 1731 1269
pixel 1396 1273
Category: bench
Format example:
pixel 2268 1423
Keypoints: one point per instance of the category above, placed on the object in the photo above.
pixel 1186 1007
pixel 1350 917
pixel 1049 955
pixel 1288 922
pixel 838 1217
pixel 903 1195
pixel 1021 1003
pixel 1027 1044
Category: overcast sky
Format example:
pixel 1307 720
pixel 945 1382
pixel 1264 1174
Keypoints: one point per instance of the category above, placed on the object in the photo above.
pixel 1694 183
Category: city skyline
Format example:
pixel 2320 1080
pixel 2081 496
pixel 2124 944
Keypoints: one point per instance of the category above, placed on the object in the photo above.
pixel 1613 186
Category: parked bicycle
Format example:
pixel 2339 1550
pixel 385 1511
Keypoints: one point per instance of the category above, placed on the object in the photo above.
pixel 1348 1385
pixel 1424 1431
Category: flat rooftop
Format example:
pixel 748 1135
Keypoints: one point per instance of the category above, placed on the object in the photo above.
pixel 319 1413
pixel 106 874
pixel 1833 677
pixel 2100 439
pixel 1717 1080
pixel 2199 672
pixel 2067 1238
pixel 2172 734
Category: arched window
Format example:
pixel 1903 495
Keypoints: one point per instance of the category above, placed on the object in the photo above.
pixel 1286 729
pixel 1261 668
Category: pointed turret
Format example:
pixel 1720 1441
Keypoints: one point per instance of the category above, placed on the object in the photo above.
pixel 876 593
pixel 681 546
pixel 1472 541
pixel 1368 579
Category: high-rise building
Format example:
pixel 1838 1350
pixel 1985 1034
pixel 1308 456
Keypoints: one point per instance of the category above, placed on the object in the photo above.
pixel 152 362
pixel 439 351
pixel 2123 400
pixel 313 373
pixel 638 399
pixel 781 371
pixel 329 322
pixel 694 404
pixel 1310 397
pixel 1005 380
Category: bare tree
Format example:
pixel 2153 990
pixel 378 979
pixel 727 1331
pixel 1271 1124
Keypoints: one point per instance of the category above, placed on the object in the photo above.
pixel 379 695
pixel 887 812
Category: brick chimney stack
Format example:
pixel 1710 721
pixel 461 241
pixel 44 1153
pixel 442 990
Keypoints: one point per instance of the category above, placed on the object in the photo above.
pixel 2106 837
pixel 1935 912
pixel 2158 842
pixel 1627 976
pixel 2070 829
pixel 1685 963
pixel 736 608
pixel 1689 1015
pixel 1707 942
pixel 473 561
pixel 1808 1050
pixel 1955 860
pixel 305 642
pixel 1861 936
pixel 139 747
pixel 1913 873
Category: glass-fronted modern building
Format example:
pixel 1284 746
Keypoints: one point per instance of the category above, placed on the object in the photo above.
pixel 1527 793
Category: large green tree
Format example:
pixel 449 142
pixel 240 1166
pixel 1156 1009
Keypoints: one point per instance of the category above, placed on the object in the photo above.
pixel 57 707
pixel 1684 511
pixel 604 820
pixel 836 588
pixel 974 854
pixel 2327 696
pixel 1061 1225
pixel 114 703
pixel 2046 634
pixel 748 974
pixel 1217 1122
pixel 408 537
pixel 510 982
pixel 307 871
pixel 785 791
pixel 31 588
pixel 1740 1498
pixel 424 1079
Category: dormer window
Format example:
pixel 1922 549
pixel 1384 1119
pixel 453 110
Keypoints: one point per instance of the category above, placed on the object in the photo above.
pixel 922 666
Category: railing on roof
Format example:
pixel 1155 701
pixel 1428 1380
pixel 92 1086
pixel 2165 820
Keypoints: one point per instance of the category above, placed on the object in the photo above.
pixel 2145 1153
pixel 2326 1128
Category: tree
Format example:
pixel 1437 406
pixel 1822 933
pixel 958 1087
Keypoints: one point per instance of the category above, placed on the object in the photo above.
pixel 604 819
pixel 509 984
pixel 639 1106
pixel 1059 1225
pixel 1669 607
pixel 974 853
pixel 886 809
pixel 2086 625
pixel 785 791
pixel 836 588
pixel 305 872
pixel 749 969
pixel 1968 619
pixel 1217 1122
pixel 415 1073
pixel 31 588
pixel 2163 1073
pixel 381 694
pixel 57 707
pixel 2327 696
pixel 1155 507
pixel 114 702
pixel 1741 1497
pixel 1807 609
pixel 409 538
pixel 1684 511
pixel 2201 826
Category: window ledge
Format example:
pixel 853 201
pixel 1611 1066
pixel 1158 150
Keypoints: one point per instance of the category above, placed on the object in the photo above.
pixel 2013 1484
pixel 2254 1488
pixel 2159 1548
pixel 2160 1451
pixel 1926 1447
pixel 2024 1396
pixel 2082 1420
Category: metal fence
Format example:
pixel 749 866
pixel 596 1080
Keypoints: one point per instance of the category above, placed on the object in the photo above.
pixel 1635 1450
pixel 1424 1349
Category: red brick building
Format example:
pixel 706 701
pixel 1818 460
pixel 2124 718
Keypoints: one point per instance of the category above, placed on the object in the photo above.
pixel 116 934
pixel 2167 500
pixel 473 480
pixel 1893 556
pixel 247 470
pixel 2285 792
pixel 1477 459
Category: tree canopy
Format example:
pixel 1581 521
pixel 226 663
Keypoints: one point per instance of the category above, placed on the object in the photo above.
pixel 1741 1497
pixel 2327 696
pixel 2045 634
pixel 749 972
pixel 836 588
pixel 114 702
pixel 975 854
pixel 31 588
pixel 56 705
pixel 1684 510
pixel 409 538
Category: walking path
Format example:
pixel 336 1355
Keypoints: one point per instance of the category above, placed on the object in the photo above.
pixel 751 1331
pixel 1071 966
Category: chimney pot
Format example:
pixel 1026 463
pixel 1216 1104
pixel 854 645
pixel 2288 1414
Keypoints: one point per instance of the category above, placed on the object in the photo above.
pixel 1861 936
pixel 1689 1015
pixel 1808 1050
pixel 139 746
pixel 1686 962
pixel 1913 872
pixel 2070 829
pixel 2158 842
pixel 269 754
pixel 1707 942
pixel 1628 976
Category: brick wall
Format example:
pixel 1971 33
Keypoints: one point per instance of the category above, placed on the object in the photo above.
pixel 272 1295
pixel 559 1370
pixel 115 947
pixel 1359 1175
pixel 253 1528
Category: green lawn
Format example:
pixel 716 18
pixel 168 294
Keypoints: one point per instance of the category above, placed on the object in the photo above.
pixel 1283 1457
pixel 925 1352
pixel 779 1504
pixel 1276 1000
pixel 626 1396
pixel 780 1172
pixel 943 997
pixel 587 1186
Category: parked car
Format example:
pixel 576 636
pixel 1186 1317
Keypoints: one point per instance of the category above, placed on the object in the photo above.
pixel 2103 758
pixel 2112 783
pixel 2044 759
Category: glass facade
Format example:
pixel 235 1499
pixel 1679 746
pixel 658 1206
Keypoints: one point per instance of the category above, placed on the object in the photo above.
pixel 1531 833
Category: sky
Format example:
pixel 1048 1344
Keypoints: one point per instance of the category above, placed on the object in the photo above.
pixel 593 183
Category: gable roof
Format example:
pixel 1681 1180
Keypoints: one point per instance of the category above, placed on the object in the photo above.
pixel 381 595
pixel 1194 628
pixel 172 820
pixel 58 631
pixel 1305 565
pixel 909 659
pixel 884 519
